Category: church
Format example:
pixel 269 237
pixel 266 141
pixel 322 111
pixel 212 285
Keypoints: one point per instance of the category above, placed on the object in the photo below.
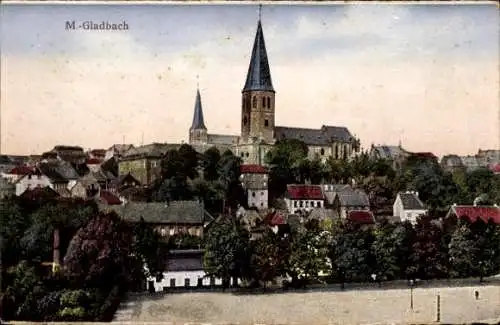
pixel 259 131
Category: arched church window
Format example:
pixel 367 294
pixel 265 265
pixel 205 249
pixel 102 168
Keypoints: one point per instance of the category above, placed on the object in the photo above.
pixel 264 102
pixel 322 151
pixel 345 151
pixel 254 102
pixel 336 152
pixel 266 123
pixel 245 120
pixel 268 102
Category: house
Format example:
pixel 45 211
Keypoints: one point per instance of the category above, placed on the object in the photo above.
pixel 6 164
pixel 304 198
pixel 473 213
pixel 168 218
pixel 495 168
pixel 34 179
pixel 123 182
pixel 255 183
pixel 117 150
pixel 7 189
pixel 249 218
pixel 93 164
pixel 349 199
pixel 60 173
pixel 77 189
pixel 330 190
pixel 72 154
pixel 98 154
pixel 452 163
pixel 361 217
pixel 183 269
pixel 408 207
pixel 396 155
pixel 40 194
pixel 14 174
pixel 108 198
pixel 144 162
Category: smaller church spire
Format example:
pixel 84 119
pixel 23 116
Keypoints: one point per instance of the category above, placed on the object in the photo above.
pixel 198 121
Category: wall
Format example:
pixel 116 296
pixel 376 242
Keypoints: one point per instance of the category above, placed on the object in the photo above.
pixel 258 198
pixel 306 205
pixel 145 170
pixel 32 181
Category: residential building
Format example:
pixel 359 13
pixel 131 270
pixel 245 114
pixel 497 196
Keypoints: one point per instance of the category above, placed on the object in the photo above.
pixel 254 179
pixel 396 155
pixel 14 174
pixel 361 217
pixel 347 200
pixel 71 154
pixel 123 182
pixel 34 179
pixel 473 213
pixel 304 198
pixel 408 207
pixel 168 218
pixel 117 150
pixel 144 162
pixel 452 163
pixel 7 189
pixel 183 269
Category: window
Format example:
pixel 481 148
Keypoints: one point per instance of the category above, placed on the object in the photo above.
pixel 245 120
pixel 254 102
pixel 247 154
pixel 264 102
pixel 186 282
pixel 295 204
pixel 322 151
pixel 253 194
pixel 336 152
pixel 266 122
pixel 307 204
pixel 261 204
pixel 172 283
pixel 261 193
pixel 268 102
pixel 242 154
pixel 318 204
pixel 301 204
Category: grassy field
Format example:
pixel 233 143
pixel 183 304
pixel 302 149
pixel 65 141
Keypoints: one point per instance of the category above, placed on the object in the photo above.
pixel 352 306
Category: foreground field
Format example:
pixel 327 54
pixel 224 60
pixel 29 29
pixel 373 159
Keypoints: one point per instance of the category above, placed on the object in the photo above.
pixel 457 305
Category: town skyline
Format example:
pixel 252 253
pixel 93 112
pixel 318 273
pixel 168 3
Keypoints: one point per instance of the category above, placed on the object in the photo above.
pixel 369 65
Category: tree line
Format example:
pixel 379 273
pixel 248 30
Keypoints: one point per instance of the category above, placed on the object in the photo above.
pixel 339 252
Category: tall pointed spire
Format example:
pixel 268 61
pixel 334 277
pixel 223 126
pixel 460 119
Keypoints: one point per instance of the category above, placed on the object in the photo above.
pixel 198 121
pixel 259 74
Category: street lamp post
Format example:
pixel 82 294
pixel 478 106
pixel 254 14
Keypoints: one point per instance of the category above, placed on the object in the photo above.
pixel 412 283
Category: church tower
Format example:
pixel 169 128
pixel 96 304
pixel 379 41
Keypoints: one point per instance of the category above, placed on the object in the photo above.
pixel 198 130
pixel 257 112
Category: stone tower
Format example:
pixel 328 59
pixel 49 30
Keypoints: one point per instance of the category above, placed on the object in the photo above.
pixel 257 111
pixel 198 130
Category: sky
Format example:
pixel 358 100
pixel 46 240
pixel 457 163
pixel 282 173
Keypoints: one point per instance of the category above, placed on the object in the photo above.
pixel 423 75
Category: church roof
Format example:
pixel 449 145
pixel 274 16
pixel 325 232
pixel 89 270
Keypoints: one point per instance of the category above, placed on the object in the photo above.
pixel 319 137
pixel 259 74
pixel 198 121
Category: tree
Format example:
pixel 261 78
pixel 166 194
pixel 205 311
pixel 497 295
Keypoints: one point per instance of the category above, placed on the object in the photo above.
pixel 147 247
pixel 101 254
pixel 211 159
pixel 385 249
pixel 351 253
pixel 13 224
pixel 226 250
pixel 190 161
pixel 463 252
pixel 269 255
pixel 229 176
pixel 308 254
pixel 429 257
pixel 285 159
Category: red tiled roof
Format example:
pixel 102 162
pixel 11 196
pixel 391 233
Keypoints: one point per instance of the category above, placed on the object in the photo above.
pixel 274 219
pixel 39 192
pixel 253 169
pixel 472 213
pixel 305 192
pixel 93 161
pixel 21 170
pixel 361 217
pixel 495 168
pixel 110 198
